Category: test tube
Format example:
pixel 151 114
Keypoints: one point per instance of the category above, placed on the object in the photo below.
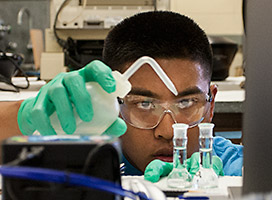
pixel 179 176
pixel 206 177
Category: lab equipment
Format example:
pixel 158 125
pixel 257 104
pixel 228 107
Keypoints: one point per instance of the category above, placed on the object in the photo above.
pixel 224 51
pixel 66 178
pixel 96 156
pixel 82 26
pixel 206 176
pixel 143 187
pixel 179 177
pixel 30 23
pixel 103 102
pixel 10 65
pixel 257 126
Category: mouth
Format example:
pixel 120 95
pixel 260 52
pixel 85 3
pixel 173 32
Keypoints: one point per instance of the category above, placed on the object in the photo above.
pixel 165 158
pixel 165 155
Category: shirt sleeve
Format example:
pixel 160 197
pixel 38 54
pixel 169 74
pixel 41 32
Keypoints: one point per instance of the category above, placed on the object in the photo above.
pixel 230 154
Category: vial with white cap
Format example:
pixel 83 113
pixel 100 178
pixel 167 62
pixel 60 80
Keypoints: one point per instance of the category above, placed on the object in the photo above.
pixel 105 105
pixel 179 176
pixel 206 176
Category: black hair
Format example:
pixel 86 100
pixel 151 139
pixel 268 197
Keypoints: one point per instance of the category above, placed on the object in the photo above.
pixel 158 34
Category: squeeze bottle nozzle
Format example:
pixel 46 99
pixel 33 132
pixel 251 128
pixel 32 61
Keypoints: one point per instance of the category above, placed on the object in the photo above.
pixel 155 66
pixel 105 105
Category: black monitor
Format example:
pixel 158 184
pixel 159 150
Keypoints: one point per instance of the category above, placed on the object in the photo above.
pixel 257 126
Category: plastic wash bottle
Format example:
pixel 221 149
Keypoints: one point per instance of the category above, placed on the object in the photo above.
pixel 105 105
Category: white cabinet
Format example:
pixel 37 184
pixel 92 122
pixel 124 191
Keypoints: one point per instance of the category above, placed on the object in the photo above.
pixel 216 17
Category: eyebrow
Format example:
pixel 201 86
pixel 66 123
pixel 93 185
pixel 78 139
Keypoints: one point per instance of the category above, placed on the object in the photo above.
pixel 190 91
pixel 143 92
pixel 148 93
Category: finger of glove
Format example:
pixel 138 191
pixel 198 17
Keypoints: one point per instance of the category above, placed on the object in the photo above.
pixel 59 97
pixel 98 72
pixel 156 169
pixel 217 165
pixel 117 129
pixel 24 117
pixel 75 85
pixel 193 163
pixel 40 118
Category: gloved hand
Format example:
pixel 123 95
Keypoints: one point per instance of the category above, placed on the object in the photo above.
pixel 59 95
pixel 230 154
pixel 157 168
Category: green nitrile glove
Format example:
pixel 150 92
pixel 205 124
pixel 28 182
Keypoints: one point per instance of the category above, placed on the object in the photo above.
pixel 59 95
pixel 217 165
pixel 157 168
pixel 192 164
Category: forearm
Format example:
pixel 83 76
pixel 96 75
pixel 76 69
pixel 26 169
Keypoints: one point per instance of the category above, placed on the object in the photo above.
pixel 8 119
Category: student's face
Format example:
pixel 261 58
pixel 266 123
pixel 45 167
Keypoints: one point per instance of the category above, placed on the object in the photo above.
pixel 140 146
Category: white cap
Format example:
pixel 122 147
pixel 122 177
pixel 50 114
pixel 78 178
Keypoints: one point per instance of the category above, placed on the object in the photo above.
pixel 123 86
pixel 205 129
pixel 180 130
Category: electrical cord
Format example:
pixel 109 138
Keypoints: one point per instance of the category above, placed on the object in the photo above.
pixel 64 44
pixel 94 156
pixel 11 170
pixel 73 179
pixel 26 155
pixel 23 156
pixel 12 195
pixel 60 41
pixel 84 3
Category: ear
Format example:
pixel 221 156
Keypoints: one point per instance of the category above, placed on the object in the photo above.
pixel 213 89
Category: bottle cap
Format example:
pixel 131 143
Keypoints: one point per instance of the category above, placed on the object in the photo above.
pixel 180 130
pixel 123 86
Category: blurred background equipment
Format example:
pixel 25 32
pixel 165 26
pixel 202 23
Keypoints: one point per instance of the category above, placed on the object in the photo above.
pixel 224 51
pixel 93 156
pixel 78 29
pixel 4 29
pixel 9 67
pixel 30 22
pixel 10 63
pixel 257 124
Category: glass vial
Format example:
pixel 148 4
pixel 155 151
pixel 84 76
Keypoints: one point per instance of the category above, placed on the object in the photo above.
pixel 206 177
pixel 179 177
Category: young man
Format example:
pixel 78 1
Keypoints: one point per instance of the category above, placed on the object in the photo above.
pixel 182 50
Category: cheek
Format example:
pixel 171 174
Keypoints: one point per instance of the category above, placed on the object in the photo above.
pixel 193 143
pixel 136 146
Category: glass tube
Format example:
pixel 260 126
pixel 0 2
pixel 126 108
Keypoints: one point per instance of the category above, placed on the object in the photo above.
pixel 206 177
pixel 179 176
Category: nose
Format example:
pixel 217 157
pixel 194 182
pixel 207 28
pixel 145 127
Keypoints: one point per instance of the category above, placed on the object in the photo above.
pixel 164 129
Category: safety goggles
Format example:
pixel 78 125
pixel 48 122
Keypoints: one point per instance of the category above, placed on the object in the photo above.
pixel 146 112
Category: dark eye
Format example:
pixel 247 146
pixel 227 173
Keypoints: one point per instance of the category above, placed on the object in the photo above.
pixel 186 103
pixel 145 105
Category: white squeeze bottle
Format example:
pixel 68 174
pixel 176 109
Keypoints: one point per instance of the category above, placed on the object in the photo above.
pixel 105 105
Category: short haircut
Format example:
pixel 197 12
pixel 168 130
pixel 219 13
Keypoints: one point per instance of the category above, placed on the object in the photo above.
pixel 158 34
